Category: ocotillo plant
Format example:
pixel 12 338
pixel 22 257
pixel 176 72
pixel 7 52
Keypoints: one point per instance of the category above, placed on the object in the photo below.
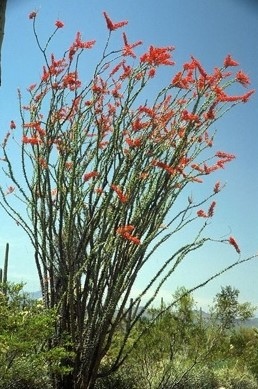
pixel 2 24
pixel 102 170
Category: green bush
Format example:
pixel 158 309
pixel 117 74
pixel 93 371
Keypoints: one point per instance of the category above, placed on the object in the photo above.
pixel 26 328
pixel 236 378
pixel 122 379
pixel 205 378
pixel 197 378
pixel 26 373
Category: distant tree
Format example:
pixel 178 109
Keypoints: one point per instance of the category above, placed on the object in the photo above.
pixel 228 309
pixel 101 170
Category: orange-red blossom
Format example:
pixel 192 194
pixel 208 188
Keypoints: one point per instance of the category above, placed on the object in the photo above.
pixel 126 233
pixel 233 243
pixel 122 197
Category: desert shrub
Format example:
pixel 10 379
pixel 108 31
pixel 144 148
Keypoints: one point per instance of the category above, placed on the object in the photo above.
pixel 235 378
pixel 124 378
pixel 26 373
pixel 196 378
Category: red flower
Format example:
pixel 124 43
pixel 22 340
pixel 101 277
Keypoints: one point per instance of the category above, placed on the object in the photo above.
pixel 134 142
pixel 68 165
pixel 79 44
pixel 199 67
pixel 83 44
pixel 233 243
pixel 152 72
pixel 122 197
pixel 71 81
pixel 127 228
pixel 31 87
pixel 210 114
pixel 113 26
pixel 164 166
pixel 189 116
pixel 32 15
pixel 12 125
pixel 222 97
pixel 222 154
pixel 88 176
pixel 128 48
pixel 33 140
pixel 211 209
pixel 125 232
pixel 246 96
pixel 180 82
pixel 201 213
pixel 10 190
pixel 216 188
pixel 158 56
pixel 132 238
pixel 242 78
pixel 229 61
pixel 59 24
pixel 99 191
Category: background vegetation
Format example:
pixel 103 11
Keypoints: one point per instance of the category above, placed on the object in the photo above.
pixel 185 348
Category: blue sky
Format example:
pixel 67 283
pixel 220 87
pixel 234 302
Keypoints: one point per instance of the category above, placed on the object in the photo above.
pixel 209 30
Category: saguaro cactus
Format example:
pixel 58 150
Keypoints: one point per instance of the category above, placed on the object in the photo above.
pixel 3 272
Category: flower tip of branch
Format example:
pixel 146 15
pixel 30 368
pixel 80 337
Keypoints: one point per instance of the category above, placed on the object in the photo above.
pixel 12 125
pixel 229 61
pixel 32 15
pixel 233 243
pixel 59 24
pixel 111 25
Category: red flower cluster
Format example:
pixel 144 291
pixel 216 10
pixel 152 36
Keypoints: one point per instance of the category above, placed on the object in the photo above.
pixel 31 140
pixel 128 47
pixel 111 25
pixel 133 142
pixel 158 56
pixel 242 78
pixel 210 213
pixel 71 81
pixel 229 61
pixel 79 44
pixel 224 158
pixel 126 233
pixel 164 166
pixel 179 81
pixel 222 97
pixel 199 67
pixel 189 116
pixel 88 176
pixel 56 67
pixel 122 197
